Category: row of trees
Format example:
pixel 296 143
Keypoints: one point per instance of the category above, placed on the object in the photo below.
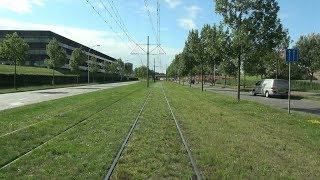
pixel 14 49
pixel 250 40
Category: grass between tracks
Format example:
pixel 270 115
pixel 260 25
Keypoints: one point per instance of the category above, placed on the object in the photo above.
pixel 155 150
pixel 84 151
pixel 232 140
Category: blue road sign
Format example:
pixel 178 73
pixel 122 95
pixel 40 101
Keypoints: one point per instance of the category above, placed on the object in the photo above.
pixel 292 55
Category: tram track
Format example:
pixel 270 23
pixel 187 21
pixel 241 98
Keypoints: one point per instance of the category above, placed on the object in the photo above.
pixel 123 146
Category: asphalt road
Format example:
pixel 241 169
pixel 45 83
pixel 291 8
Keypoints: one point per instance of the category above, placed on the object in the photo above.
pixel 12 100
pixel 300 105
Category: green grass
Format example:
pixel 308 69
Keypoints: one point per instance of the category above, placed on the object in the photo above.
pixel 83 151
pixel 9 69
pixel 229 140
pixel 155 150
pixel 246 140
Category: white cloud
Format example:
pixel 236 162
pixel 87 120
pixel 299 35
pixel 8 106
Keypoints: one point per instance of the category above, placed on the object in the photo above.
pixel 20 6
pixel 173 3
pixel 188 22
pixel 108 42
pixel 193 11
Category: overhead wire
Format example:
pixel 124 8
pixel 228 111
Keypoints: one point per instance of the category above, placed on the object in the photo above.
pixel 150 18
pixel 122 27
pixel 117 22
pixel 107 23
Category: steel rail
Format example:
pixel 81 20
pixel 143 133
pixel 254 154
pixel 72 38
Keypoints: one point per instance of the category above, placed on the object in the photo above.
pixel 116 159
pixel 194 166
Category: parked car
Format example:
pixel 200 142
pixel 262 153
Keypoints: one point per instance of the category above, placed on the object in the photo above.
pixel 271 87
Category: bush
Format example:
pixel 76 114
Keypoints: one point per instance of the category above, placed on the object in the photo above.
pixel 23 80
pixel 305 86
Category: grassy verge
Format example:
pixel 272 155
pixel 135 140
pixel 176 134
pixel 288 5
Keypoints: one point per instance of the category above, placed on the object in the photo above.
pixel 246 140
pixel 84 151
pixel 9 69
pixel 155 150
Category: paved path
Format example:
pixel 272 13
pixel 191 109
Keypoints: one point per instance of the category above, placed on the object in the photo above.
pixel 11 100
pixel 302 105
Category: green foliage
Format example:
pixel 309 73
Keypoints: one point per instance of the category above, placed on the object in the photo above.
pixel 57 55
pixel 77 57
pixel 309 53
pixel 93 66
pixel 305 86
pixel 228 67
pixel 141 72
pixel 14 49
pixel 120 67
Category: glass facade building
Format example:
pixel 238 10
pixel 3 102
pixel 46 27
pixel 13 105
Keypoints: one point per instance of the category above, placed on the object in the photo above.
pixel 38 40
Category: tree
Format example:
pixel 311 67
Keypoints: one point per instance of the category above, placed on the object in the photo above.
pixel 255 27
pixel 213 39
pixel 57 56
pixel 195 51
pixel 107 69
pixel 141 72
pixel 77 57
pixel 120 67
pixel 94 67
pixel 14 49
pixel 113 69
pixel 228 68
pixel 309 53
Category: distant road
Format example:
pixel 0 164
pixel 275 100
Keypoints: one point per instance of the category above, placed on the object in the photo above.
pixel 301 105
pixel 12 100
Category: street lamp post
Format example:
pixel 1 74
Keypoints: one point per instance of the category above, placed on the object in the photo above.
pixel 88 62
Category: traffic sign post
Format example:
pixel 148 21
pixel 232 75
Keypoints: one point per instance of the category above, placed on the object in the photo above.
pixel 292 55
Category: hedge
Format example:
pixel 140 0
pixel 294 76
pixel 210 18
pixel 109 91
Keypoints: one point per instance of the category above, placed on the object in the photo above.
pixel 23 80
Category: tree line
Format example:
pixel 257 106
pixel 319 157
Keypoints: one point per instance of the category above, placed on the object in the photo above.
pixel 14 49
pixel 250 40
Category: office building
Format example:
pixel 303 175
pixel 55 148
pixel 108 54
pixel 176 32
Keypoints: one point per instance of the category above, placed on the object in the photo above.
pixel 38 41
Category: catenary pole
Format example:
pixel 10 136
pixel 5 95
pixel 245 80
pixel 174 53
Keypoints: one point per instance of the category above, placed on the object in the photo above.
pixel 154 70
pixel 148 53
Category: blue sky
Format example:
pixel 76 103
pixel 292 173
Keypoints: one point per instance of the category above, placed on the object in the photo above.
pixel 77 20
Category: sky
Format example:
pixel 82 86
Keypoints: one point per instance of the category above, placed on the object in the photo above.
pixel 121 27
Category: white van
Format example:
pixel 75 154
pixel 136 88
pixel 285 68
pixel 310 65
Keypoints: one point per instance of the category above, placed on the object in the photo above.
pixel 271 87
